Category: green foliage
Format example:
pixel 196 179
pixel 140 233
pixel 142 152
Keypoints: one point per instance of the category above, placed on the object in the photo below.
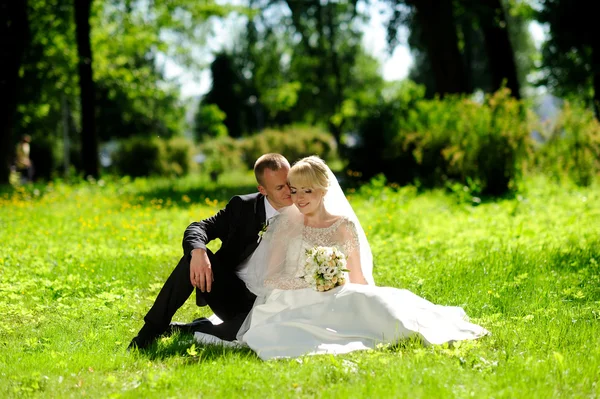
pixel 458 139
pixel 152 156
pixel 139 156
pixel 129 42
pixel 82 264
pixel 293 142
pixel 178 156
pixel 209 122
pixel 281 98
pixel 307 65
pixel 471 42
pixel 567 65
pixel 571 146
pixel 221 154
pixel 378 128
pixel 49 71
pixel 229 93
pixel 436 141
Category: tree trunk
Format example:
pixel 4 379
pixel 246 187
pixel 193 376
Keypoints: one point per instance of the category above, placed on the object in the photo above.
pixel 14 37
pixel 436 19
pixel 499 50
pixel 89 140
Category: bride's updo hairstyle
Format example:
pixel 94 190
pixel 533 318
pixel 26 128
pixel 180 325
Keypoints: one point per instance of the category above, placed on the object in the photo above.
pixel 309 172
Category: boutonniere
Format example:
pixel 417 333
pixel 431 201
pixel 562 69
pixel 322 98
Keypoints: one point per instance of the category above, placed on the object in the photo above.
pixel 262 232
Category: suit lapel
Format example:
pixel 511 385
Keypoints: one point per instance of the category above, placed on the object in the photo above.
pixel 260 215
pixel 259 219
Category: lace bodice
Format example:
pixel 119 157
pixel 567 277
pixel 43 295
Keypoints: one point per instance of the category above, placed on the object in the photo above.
pixel 332 236
pixel 341 234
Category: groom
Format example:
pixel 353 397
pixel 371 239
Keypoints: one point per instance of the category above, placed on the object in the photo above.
pixel 219 278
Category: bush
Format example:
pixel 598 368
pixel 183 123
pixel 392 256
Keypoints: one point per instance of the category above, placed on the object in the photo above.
pixel 178 157
pixel 147 156
pixel 378 129
pixel 221 154
pixel 571 146
pixel 210 122
pixel 225 153
pixel 457 139
pixel 293 142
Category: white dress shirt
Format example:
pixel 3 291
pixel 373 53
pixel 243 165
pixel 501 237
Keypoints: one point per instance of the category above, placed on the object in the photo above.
pixel 242 270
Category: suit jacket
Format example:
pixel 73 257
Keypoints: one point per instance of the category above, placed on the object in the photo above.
pixel 237 226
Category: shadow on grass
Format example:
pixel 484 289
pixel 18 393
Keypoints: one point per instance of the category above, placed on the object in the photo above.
pixel 184 346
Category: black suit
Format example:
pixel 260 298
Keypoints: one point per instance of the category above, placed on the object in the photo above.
pixel 237 226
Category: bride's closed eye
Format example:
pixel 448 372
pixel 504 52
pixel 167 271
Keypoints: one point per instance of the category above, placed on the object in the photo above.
pixel 295 191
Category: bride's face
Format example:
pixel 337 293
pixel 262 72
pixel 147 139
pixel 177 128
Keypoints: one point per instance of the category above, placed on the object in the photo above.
pixel 307 199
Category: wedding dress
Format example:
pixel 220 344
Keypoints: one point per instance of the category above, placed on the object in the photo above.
pixel 294 319
pixel 290 318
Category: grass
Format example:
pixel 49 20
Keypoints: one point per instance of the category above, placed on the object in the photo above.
pixel 81 264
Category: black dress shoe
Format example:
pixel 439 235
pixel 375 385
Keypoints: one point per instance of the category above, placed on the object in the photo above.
pixel 189 328
pixel 145 338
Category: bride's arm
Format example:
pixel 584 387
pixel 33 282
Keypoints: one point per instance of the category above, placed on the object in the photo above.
pixel 349 237
pixel 353 264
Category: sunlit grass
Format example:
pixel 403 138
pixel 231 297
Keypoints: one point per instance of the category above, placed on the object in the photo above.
pixel 80 265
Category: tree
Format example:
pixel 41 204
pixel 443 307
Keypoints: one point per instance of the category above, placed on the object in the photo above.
pixel 571 54
pixel 438 29
pixel 499 50
pixel 323 62
pixel 227 92
pixel 89 139
pixel 493 43
pixel 209 122
pixel 130 41
pixel 306 63
pixel 299 62
pixel 14 37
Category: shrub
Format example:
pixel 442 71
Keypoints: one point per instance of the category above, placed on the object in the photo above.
pixel 293 142
pixel 369 155
pixel 140 156
pixel 221 154
pixel 146 156
pixel 225 153
pixel 178 157
pixel 571 146
pixel 480 145
pixel 210 122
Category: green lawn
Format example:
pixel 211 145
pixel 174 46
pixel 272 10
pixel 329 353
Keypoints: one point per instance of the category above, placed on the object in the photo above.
pixel 80 265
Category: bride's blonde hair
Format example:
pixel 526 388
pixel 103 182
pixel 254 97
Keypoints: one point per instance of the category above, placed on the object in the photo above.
pixel 309 172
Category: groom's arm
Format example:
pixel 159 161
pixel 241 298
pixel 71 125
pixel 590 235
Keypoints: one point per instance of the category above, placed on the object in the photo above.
pixel 199 234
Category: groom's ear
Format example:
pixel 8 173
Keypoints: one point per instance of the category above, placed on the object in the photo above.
pixel 262 190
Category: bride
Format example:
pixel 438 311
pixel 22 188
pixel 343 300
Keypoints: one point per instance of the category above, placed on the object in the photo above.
pixel 291 318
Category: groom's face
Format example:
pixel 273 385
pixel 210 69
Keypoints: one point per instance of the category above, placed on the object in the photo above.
pixel 274 186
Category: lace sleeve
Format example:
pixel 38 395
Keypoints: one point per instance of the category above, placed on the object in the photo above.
pixel 348 236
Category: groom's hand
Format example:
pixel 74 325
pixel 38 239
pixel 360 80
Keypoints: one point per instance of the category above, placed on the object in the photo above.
pixel 201 275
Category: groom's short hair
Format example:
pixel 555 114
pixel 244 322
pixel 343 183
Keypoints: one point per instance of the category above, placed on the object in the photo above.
pixel 271 161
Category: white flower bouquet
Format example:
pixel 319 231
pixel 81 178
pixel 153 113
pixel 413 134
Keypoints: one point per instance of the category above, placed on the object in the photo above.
pixel 324 268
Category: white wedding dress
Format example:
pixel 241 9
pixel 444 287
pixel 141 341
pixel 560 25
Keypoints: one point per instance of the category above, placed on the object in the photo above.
pixel 293 319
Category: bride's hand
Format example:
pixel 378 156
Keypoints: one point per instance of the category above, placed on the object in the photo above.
pixel 201 275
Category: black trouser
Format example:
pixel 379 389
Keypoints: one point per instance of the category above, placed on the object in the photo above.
pixel 229 298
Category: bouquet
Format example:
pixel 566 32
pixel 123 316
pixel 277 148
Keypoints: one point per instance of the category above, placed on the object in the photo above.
pixel 324 268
